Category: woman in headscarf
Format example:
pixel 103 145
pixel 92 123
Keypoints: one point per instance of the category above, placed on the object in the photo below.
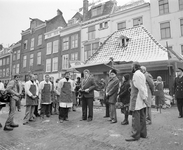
pixel 124 97
pixel 159 93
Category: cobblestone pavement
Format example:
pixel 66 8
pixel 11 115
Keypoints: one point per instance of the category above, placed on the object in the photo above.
pixel 166 133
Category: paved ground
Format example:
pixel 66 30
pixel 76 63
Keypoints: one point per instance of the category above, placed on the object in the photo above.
pixel 166 133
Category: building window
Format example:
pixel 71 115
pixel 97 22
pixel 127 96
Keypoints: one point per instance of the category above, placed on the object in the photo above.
pixel 38 58
pixel 14 55
pixel 66 43
pixel 165 30
pixel 31 59
pixel 25 44
pixel 13 71
pixel 18 54
pixel 74 41
pixel 17 68
pixel 103 25
pixel 24 61
pixel 1 62
pixel 121 25
pixel 65 61
pixel 181 26
pixel 49 48
pixel 91 33
pixel 96 11
pixel 40 39
pixel 48 65
pixel 180 4
pixel 163 7
pixel 8 61
pixel 95 47
pixel 55 46
pixel 55 64
pixel 182 49
pixel 74 56
pixel 4 61
pixel 32 43
pixel 4 72
pixel 87 51
pixel 7 72
pixel 137 21
pixel 0 72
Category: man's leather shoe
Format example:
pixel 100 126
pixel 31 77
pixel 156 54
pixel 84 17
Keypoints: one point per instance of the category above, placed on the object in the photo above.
pixel 106 116
pixel 8 128
pixel 113 121
pixel 124 123
pixel 82 119
pixel 14 125
pixel 180 116
pixel 25 123
pixel 89 119
pixel 131 139
pixel 61 121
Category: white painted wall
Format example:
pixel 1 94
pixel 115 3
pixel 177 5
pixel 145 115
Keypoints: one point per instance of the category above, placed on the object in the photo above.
pixel 173 17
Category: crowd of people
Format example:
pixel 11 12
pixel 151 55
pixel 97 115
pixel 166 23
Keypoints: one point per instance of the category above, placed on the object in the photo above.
pixel 135 94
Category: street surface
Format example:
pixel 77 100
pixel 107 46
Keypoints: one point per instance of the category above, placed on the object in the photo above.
pixel 166 133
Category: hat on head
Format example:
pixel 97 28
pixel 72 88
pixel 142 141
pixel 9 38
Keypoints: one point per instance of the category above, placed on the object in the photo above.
pixel 86 70
pixel 113 71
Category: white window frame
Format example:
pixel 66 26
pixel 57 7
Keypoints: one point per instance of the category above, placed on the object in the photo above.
pixel 65 43
pixel 55 64
pixel 40 40
pixel 48 65
pixel 7 72
pixel 55 46
pixel 65 61
pixel 39 58
pixel 74 41
pixel 31 59
pixel 14 69
pixel 137 21
pixel 4 72
pixel 181 26
pixel 180 4
pixel 165 31
pixel 18 54
pixel 1 73
pixel 7 60
pixel 4 61
pixel 24 61
pixel 181 48
pixel 32 44
pixel 1 62
pixel 25 44
pixel 163 7
pixel 14 55
pixel 121 25
pixel 74 56
pixel 49 48
pixel 17 68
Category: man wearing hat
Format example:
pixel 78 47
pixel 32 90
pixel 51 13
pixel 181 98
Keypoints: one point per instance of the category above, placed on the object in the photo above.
pixel 178 91
pixel 65 88
pixel 14 88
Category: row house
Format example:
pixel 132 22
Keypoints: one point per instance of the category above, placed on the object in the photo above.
pixel 16 48
pixel 32 49
pixel 5 64
pixel 131 15
pixel 96 26
pixel 71 43
pixel 53 51
pixel 167 23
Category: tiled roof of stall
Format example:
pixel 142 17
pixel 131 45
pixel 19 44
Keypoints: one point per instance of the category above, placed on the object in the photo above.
pixel 142 47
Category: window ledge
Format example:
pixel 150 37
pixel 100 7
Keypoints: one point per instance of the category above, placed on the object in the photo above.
pixel 103 28
pixel 55 71
pixel 164 14
pixel 166 39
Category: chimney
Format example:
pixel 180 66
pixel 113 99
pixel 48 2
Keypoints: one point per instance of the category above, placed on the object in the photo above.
pixel 59 12
pixel 1 47
pixel 85 9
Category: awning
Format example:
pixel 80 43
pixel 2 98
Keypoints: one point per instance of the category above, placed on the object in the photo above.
pixel 94 68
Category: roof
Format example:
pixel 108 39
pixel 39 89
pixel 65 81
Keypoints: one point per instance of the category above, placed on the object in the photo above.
pixel 142 47
pixel 107 8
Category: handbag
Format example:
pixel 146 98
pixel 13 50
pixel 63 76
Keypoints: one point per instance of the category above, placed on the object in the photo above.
pixel 119 105
pixel 4 96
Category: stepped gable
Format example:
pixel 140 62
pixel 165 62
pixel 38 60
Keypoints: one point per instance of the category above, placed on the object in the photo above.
pixel 141 47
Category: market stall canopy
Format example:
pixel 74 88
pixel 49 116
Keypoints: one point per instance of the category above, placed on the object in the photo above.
pixel 94 67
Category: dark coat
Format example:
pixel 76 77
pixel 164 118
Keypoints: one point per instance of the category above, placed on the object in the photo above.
pixel 124 93
pixel 112 90
pixel 178 87
pixel 159 97
pixel 88 84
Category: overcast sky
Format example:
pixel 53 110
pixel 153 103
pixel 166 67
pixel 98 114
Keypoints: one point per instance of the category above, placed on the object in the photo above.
pixel 14 15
